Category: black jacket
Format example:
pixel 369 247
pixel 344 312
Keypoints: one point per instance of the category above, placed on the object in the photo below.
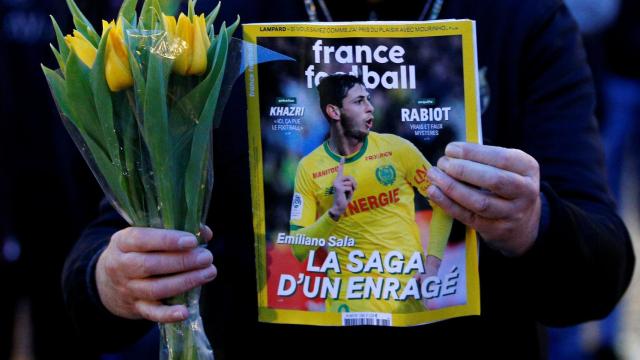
pixel 541 102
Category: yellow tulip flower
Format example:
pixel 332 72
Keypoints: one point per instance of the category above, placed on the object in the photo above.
pixel 82 47
pixel 169 24
pixel 116 70
pixel 193 60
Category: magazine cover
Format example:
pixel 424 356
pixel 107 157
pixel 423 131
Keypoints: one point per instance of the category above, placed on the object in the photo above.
pixel 341 137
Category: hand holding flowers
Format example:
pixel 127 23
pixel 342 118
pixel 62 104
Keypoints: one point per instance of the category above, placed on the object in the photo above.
pixel 140 100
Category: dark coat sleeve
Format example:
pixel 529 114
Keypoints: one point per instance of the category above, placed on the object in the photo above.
pixel 96 326
pixel 582 261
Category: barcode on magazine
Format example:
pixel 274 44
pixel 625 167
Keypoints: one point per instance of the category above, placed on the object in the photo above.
pixel 365 318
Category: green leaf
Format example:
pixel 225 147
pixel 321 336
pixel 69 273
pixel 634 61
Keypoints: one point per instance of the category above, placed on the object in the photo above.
pixel 191 9
pixel 58 56
pixel 80 98
pixel 138 79
pixel 62 45
pixel 137 158
pixel 156 17
pixel 156 136
pixel 149 15
pixel 82 24
pixel 100 160
pixel 132 154
pixel 112 177
pixel 212 49
pixel 212 16
pixel 211 52
pixel 196 199
pixel 126 26
pixel 197 167
pixel 145 20
pixel 182 120
pixel 102 99
pixel 58 89
pixel 217 72
pixel 104 107
pixel 233 27
pixel 169 7
pixel 128 10
pixel 136 69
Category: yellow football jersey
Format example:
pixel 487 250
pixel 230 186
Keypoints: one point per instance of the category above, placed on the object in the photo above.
pixel 380 216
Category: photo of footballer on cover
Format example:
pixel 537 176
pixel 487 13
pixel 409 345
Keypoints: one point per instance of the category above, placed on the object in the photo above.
pixel 341 140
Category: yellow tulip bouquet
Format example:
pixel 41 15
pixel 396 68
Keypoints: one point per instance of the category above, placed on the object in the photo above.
pixel 140 101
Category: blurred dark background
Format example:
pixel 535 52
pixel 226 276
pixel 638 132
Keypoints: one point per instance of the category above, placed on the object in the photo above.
pixel 47 193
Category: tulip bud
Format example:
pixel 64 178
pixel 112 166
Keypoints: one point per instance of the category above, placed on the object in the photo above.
pixel 169 24
pixel 82 47
pixel 202 25
pixel 193 60
pixel 116 70
pixel 199 54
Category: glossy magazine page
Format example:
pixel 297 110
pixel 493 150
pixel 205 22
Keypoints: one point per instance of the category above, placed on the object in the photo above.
pixel 344 232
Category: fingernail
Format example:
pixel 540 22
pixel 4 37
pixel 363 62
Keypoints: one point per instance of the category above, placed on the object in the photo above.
pixel 204 257
pixel 187 242
pixel 453 150
pixel 208 273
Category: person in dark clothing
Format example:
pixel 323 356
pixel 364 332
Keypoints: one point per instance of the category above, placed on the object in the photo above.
pixel 565 257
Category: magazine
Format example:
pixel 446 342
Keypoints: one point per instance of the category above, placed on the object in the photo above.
pixel 341 137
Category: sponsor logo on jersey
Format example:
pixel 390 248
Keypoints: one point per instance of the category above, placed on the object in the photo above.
pixel 373 202
pixel 321 173
pixel 420 175
pixel 378 156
